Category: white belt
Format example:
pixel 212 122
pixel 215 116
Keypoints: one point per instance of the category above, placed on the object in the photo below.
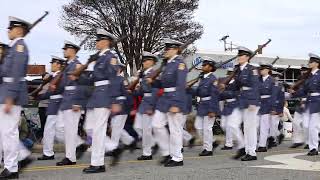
pixel 244 88
pixel 11 79
pixel 314 94
pixel 58 96
pixel 230 100
pixel 121 98
pixel 265 96
pixel 70 88
pixel 101 83
pixel 147 94
pixel 304 99
pixel 205 98
pixel 172 89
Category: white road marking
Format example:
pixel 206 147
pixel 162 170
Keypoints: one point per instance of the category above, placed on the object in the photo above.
pixel 288 161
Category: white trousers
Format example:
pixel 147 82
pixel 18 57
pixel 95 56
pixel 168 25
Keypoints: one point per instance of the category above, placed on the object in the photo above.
pixel 71 137
pixel 185 134
pixel 125 138
pixel 172 142
pixel 265 125
pixel 234 123
pixel 117 125
pixel 274 130
pixel 96 122
pixel 314 129
pixel 53 129
pixel 297 128
pixel 9 134
pixel 227 129
pixel 204 126
pixel 143 124
pixel 250 123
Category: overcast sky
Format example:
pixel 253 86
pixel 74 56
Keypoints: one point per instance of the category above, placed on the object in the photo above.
pixel 293 26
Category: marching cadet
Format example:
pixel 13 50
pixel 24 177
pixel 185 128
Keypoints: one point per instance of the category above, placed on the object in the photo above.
pixel 13 95
pixel 267 88
pixel 232 115
pixel 226 110
pixel 3 49
pixel 299 125
pixel 170 106
pixel 187 137
pixel 71 104
pixel 101 101
pixel 143 121
pixel 276 112
pixel 118 119
pixel 208 107
pixel 311 89
pixel 247 82
pixel 54 127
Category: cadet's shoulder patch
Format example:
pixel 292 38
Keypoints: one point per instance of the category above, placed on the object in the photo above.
pixel 182 66
pixel 215 83
pixel 20 48
pixel 113 61
pixel 255 72
pixel 125 83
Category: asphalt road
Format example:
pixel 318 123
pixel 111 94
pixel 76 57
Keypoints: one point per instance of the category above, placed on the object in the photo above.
pixel 217 167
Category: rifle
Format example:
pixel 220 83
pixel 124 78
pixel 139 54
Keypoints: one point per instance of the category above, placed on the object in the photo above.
pixel 158 71
pixel 275 60
pixel 45 81
pixel 301 80
pixel 3 52
pixel 56 80
pixel 237 68
pixel 38 20
pixel 94 57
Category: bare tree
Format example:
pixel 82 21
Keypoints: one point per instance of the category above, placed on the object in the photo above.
pixel 144 22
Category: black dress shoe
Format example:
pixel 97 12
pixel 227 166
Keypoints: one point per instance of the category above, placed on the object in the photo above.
pixel 241 152
pixel 226 148
pixel 44 157
pixel 132 147
pixel 248 157
pixel 173 163
pixel 6 174
pixel 215 145
pixel 296 145
pixel 261 149
pixel 280 138
pixel 313 152
pixel 24 163
pixel 108 154
pixel 65 162
pixel 116 155
pixel 191 142
pixel 271 142
pixel 206 153
pixel 144 158
pixel 94 169
pixel 306 147
pixel 165 159
pixel 155 149
pixel 182 150
pixel 81 149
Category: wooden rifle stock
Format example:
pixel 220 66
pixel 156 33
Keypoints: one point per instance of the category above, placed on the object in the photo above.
pixel 301 80
pixel 56 80
pixel 193 82
pixel 35 92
